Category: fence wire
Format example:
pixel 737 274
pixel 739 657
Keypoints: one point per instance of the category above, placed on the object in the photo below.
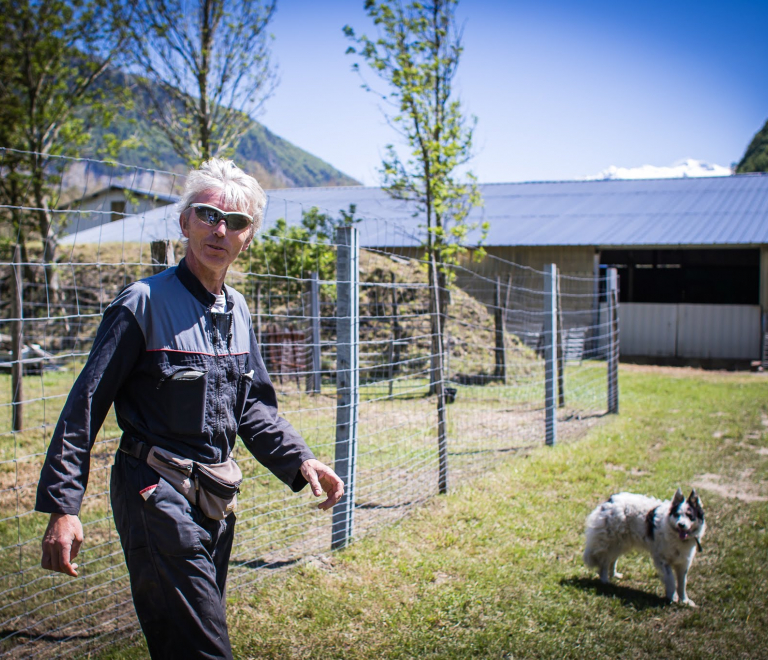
pixel 493 379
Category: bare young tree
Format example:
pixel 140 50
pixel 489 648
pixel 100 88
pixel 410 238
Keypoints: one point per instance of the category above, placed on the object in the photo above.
pixel 206 69
pixel 417 54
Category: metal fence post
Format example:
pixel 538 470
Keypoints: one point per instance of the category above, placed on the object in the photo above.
pixel 347 380
pixel 593 345
pixel 314 311
pixel 17 344
pixel 560 348
pixel 438 377
pixel 612 289
pixel 550 353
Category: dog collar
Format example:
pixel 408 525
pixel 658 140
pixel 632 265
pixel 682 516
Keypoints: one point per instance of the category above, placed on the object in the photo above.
pixel 698 544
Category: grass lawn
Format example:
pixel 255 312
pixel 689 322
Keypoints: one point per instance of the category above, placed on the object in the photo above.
pixel 494 569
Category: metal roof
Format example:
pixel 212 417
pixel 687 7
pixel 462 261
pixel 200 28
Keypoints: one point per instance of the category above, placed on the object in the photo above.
pixel 707 211
pixel 142 192
pixel 156 224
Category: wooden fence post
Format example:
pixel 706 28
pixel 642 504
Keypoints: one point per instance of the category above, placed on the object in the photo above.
pixel 162 256
pixel 257 305
pixel 501 352
pixel 593 343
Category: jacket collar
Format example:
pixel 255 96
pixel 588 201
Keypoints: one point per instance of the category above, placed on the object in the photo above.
pixel 194 286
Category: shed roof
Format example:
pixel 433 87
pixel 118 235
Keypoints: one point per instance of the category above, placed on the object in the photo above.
pixel 707 211
pixel 132 190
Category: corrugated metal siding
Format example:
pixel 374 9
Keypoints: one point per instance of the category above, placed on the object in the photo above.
pixel 719 331
pixel 690 331
pixel 648 329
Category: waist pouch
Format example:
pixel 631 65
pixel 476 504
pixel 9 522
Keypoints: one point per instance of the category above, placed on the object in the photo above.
pixel 211 486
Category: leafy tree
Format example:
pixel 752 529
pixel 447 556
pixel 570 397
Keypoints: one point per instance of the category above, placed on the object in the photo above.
pixel 12 188
pixel 756 156
pixel 416 54
pixel 53 53
pixel 207 68
pixel 293 251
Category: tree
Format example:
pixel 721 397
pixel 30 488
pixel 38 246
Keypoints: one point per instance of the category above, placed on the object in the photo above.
pixel 11 161
pixel 293 251
pixel 53 53
pixel 207 68
pixel 756 156
pixel 417 53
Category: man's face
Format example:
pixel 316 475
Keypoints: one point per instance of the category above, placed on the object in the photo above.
pixel 211 250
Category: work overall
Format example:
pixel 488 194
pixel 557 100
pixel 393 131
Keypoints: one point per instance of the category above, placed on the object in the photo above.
pixel 190 381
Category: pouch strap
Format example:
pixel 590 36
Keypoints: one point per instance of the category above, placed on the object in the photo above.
pixel 135 448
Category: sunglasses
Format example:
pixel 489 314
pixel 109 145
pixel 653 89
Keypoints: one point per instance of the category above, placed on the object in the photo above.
pixel 235 220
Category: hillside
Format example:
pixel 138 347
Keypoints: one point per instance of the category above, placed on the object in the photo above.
pixel 756 157
pixel 274 161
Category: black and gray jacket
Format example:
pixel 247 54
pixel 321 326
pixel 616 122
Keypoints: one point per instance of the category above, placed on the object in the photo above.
pixel 181 377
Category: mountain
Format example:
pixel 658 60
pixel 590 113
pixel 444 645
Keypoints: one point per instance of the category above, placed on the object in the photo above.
pixel 274 161
pixel 682 169
pixel 756 157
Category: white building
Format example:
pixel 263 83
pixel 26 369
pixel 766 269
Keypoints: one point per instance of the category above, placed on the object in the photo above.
pixel 109 204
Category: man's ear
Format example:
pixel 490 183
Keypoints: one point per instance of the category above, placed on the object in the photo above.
pixel 184 222
pixel 247 243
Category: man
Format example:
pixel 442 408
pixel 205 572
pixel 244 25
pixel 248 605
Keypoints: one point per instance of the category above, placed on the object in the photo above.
pixel 177 355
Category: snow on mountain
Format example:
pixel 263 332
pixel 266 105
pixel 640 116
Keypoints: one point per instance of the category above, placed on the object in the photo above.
pixel 681 169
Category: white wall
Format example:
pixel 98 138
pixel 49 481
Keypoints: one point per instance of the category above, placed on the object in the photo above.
pixel 648 329
pixel 96 210
pixel 690 331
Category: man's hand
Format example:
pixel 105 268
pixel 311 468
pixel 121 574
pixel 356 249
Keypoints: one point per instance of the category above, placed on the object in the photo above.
pixel 61 543
pixel 322 479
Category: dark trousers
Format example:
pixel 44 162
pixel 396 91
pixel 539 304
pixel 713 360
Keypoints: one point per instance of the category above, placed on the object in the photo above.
pixel 177 560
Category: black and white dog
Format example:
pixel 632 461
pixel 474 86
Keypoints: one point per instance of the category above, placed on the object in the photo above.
pixel 670 531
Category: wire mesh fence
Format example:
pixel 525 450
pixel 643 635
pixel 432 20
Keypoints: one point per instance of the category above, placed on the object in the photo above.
pixel 482 401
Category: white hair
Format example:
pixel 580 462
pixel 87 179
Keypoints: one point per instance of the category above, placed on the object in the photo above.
pixel 241 191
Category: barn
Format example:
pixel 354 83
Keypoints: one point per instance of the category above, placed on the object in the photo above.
pixel 691 253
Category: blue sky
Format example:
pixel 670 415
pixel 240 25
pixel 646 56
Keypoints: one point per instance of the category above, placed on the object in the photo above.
pixel 561 89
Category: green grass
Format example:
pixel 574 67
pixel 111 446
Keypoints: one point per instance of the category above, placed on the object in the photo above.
pixel 494 570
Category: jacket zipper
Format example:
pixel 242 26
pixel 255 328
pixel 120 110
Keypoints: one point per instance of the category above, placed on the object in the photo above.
pixel 217 408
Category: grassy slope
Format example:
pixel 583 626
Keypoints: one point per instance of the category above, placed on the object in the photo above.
pixel 494 570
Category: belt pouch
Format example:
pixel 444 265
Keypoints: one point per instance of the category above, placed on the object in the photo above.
pixel 212 487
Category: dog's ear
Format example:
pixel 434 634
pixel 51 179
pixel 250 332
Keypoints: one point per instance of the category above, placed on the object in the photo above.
pixel 695 501
pixel 678 499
